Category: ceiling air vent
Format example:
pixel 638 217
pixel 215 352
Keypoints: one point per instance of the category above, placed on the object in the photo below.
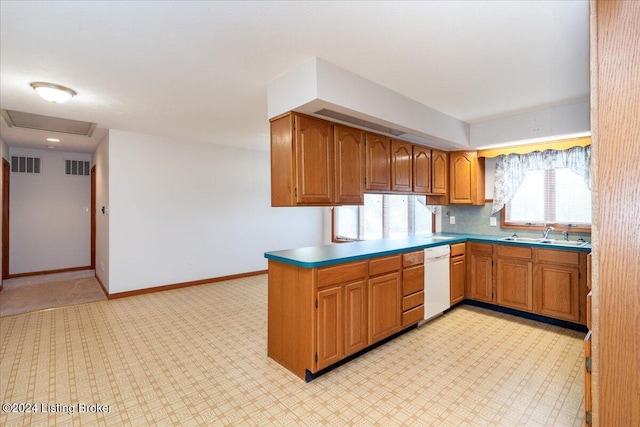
pixel 359 122
pixel 19 119
pixel 23 164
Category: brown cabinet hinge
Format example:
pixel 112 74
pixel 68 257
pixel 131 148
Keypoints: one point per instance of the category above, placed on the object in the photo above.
pixel 587 418
pixel 587 363
pixel 316 302
pixel 316 357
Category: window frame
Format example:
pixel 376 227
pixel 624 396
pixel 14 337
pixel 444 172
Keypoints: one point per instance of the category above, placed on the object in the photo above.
pixel 385 219
pixel 549 183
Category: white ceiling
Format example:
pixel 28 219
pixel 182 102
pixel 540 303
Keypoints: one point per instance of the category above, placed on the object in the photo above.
pixel 199 70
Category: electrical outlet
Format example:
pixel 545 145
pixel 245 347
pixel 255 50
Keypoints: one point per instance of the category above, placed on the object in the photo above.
pixel 452 220
pixel 492 221
pixel 192 264
pixel 102 265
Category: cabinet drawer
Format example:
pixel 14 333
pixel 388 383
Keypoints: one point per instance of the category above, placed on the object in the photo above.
pixel 557 257
pixel 412 280
pixel 481 248
pixel 385 264
pixel 341 273
pixel 520 252
pixel 413 316
pixel 412 301
pixel 412 258
pixel 458 249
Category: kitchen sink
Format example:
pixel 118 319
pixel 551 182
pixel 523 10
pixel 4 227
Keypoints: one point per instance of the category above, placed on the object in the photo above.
pixel 521 239
pixel 552 242
pixel 440 237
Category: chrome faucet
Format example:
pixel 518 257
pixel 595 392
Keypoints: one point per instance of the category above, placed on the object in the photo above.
pixel 545 233
pixel 565 235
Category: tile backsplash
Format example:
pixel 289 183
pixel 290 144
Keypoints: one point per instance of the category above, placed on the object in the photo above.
pixel 475 220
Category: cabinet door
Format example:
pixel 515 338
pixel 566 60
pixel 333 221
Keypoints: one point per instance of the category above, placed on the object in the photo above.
pixel 439 172
pixel 461 172
pixel 457 279
pixel 385 306
pixel 349 165
pixel 481 277
pixel 467 178
pixel 329 325
pixel 355 317
pixel 314 154
pixel 421 169
pixel 401 166
pixel 378 162
pixel 556 291
pixel 514 283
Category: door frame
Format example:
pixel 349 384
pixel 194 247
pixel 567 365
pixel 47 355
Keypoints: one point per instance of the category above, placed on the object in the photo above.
pixel 6 176
pixel 93 217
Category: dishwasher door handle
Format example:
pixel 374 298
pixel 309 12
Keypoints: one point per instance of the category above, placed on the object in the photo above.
pixel 428 260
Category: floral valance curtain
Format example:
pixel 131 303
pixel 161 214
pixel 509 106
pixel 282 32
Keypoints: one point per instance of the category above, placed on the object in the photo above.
pixel 511 169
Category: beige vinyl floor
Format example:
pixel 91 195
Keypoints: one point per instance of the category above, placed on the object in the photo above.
pixel 197 357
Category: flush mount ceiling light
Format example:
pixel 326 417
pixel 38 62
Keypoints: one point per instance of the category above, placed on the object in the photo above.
pixel 53 92
pixel 53 140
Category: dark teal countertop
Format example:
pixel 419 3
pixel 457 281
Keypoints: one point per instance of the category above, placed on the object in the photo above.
pixel 337 253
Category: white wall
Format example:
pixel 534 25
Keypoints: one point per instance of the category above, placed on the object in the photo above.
pixel 49 228
pixel 174 201
pixel 101 162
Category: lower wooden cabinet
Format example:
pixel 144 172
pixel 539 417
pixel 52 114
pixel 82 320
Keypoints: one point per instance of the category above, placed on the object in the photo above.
pixel 385 305
pixel 329 327
pixel 412 287
pixel 341 312
pixel 514 277
pixel 480 272
pixel 557 291
pixel 457 274
pixel 341 326
pixel 356 313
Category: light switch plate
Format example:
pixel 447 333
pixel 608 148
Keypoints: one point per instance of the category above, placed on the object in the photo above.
pixel 452 220
pixel 492 221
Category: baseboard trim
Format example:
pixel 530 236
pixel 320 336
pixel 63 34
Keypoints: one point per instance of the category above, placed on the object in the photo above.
pixel 38 273
pixel 532 316
pixel 183 284
pixel 104 289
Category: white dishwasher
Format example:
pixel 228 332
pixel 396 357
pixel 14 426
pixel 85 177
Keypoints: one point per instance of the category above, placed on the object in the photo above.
pixel 436 281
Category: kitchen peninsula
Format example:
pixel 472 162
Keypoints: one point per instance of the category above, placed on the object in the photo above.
pixel 329 303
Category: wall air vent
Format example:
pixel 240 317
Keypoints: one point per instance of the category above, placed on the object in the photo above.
pixel 19 119
pixel 359 122
pixel 23 164
pixel 77 167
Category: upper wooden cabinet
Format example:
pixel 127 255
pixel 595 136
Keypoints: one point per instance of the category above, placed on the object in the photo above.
pixel 466 178
pixel 439 172
pixel 378 163
pixel 349 165
pixel 421 169
pixel 315 163
pixel 401 166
